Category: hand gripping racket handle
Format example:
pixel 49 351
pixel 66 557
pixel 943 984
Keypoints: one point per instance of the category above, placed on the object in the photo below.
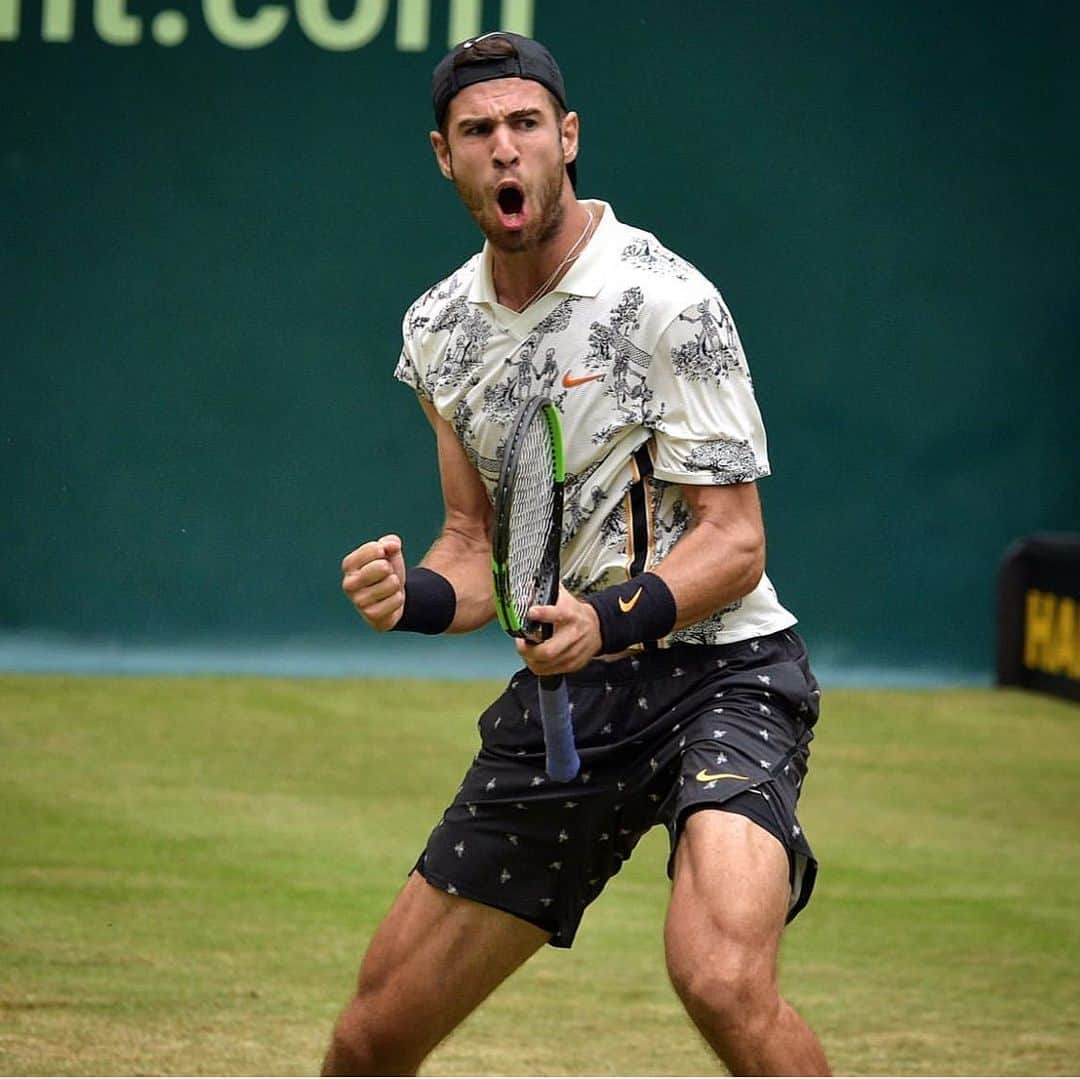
pixel 563 762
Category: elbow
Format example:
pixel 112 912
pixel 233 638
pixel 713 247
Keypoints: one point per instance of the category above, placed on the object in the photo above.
pixel 470 533
pixel 751 561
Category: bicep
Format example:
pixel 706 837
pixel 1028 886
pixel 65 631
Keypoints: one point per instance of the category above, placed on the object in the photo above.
pixel 733 509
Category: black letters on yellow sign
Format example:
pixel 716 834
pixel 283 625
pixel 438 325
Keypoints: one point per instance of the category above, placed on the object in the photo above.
pixel 1052 634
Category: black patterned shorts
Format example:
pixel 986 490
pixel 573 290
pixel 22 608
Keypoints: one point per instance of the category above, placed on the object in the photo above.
pixel 660 735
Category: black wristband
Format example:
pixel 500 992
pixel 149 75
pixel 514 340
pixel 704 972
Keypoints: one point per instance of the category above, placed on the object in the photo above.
pixel 640 609
pixel 430 602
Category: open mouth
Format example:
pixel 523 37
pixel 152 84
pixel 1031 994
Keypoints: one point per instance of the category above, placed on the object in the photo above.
pixel 510 198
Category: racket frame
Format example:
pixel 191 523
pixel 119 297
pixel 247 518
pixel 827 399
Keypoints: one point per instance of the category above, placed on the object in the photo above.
pixel 562 760
pixel 546 582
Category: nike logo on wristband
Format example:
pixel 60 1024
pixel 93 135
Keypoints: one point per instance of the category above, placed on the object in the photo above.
pixel 569 381
pixel 627 605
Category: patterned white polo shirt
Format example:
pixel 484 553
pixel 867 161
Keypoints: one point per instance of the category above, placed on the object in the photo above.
pixel 638 351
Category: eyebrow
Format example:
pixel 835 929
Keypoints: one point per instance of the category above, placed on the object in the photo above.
pixel 517 114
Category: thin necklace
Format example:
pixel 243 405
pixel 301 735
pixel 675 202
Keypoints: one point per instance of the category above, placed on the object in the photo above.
pixel 567 259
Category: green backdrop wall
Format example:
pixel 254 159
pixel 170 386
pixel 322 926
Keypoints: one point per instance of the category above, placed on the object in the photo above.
pixel 213 218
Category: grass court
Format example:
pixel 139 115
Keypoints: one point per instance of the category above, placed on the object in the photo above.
pixel 190 867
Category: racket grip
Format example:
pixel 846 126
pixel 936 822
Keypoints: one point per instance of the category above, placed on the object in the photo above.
pixel 563 762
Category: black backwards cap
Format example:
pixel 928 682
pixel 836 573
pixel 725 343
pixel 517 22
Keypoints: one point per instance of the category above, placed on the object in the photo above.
pixel 501 55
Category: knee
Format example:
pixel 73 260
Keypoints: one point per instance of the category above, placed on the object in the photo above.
pixel 369 1040
pixel 725 988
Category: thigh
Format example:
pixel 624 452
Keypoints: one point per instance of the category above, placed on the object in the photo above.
pixel 435 957
pixel 729 898
pixel 748 750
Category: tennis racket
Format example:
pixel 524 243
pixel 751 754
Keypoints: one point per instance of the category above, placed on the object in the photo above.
pixel 525 557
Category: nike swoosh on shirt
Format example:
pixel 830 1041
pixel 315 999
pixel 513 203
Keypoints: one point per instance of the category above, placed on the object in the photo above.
pixel 570 381
pixel 711 777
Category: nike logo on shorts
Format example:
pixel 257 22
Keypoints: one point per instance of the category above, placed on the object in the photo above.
pixel 711 777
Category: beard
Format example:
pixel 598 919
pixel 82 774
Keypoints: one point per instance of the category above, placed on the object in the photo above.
pixel 546 213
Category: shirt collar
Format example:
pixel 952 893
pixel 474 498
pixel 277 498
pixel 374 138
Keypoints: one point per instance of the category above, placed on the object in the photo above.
pixel 585 278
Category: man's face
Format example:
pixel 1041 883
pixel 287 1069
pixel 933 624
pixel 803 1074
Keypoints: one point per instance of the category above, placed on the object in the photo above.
pixel 506 153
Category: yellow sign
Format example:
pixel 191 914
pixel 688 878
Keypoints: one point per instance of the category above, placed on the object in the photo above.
pixel 1052 634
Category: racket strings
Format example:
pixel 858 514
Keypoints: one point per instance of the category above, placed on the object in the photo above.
pixel 530 513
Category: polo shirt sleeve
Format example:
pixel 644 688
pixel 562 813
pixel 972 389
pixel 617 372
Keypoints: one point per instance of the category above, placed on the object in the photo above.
pixel 706 423
pixel 408 370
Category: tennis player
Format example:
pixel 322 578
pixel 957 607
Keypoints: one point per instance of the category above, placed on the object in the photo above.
pixel 693 701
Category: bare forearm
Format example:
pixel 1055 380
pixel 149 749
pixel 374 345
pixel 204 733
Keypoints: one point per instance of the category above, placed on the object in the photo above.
pixel 465 561
pixel 462 553
pixel 710 568
pixel 718 560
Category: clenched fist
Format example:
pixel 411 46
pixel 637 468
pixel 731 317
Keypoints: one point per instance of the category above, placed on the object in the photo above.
pixel 373 577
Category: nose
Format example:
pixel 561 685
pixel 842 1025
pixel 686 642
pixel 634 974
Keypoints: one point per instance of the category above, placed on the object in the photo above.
pixel 503 151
